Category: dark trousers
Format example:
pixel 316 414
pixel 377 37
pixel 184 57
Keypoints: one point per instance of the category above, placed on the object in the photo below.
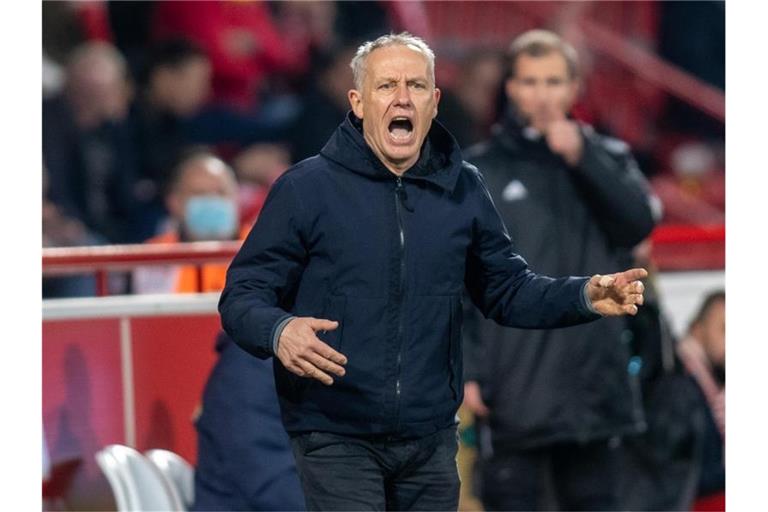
pixel 566 476
pixel 340 472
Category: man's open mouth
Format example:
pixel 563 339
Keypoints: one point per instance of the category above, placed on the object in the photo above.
pixel 400 128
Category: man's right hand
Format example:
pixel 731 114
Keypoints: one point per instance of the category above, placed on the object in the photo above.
pixel 473 399
pixel 302 353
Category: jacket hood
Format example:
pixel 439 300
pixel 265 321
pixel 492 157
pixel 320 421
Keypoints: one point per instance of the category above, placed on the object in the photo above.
pixel 439 162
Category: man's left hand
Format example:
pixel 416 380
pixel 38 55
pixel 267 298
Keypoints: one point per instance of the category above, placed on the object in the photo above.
pixel 563 138
pixel 617 294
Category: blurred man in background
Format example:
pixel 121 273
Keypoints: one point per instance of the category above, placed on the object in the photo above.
pixel 202 203
pixel 702 352
pixel 87 145
pixel 555 402
pixel 176 85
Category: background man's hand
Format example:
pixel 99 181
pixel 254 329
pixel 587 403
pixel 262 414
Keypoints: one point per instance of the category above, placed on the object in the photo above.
pixel 562 136
pixel 302 353
pixel 564 139
pixel 474 400
pixel 617 294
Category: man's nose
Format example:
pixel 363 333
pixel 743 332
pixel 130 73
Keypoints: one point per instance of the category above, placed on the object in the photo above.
pixel 403 96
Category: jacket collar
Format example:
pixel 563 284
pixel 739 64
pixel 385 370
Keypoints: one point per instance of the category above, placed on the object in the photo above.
pixel 439 162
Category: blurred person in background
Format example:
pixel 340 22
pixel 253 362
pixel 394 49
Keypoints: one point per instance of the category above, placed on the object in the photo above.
pixel 246 51
pixel 62 230
pixel 176 86
pixel 202 203
pixel 552 405
pixel 702 352
pixel 87 145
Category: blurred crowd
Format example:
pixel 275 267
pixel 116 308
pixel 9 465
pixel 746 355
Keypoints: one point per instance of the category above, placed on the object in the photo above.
pixel 128 87
pixel 167 121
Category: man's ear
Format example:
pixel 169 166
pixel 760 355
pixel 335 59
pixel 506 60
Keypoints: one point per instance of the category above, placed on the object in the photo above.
pixel 356 102
pixel 437 101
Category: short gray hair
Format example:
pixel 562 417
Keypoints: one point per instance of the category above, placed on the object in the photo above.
pixel 402 39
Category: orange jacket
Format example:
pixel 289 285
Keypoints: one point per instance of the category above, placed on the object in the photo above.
pixel 180 278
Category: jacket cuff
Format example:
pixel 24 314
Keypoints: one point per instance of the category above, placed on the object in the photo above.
pixel 586 303
pixel 278 330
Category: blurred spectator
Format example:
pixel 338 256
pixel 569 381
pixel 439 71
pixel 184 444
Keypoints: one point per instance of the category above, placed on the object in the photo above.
pixel 61 230
pixel 702 352
pixel 202 201
pixel 553 404
pixel 177 83
pixel 241 40
pixel 470 107
pixel 324 105
pixel 87 145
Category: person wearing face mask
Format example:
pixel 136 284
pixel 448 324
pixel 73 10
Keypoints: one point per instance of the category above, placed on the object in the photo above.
pixel 552 405
pixel 202 202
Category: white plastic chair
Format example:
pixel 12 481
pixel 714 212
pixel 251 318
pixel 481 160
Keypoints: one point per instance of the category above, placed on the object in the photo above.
pixel 178 473
pixel 136 483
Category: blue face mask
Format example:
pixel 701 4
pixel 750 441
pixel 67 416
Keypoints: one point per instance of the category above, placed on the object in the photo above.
pixel 210 218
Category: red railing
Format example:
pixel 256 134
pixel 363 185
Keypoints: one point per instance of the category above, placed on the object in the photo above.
pixel 675 247
pixel 100 260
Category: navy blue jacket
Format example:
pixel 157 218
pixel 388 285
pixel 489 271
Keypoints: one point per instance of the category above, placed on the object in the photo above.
pixel 340 237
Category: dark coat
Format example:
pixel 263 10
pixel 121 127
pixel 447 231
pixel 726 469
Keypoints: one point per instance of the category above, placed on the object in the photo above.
pixel 244 457
pixel 570 384
pixel 342 238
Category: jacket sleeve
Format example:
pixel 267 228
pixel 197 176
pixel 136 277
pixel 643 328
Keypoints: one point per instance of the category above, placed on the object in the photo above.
pixel 616 190
pixel 264 273
pixel 501 285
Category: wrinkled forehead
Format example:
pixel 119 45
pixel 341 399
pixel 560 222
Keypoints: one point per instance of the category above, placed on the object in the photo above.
pixel 395 62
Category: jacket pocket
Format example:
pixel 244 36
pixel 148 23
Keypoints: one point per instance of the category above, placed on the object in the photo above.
pixel 334 309
pixel 455 359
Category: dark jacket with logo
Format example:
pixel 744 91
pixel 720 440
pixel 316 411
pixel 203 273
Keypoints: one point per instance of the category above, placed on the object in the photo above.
pixel 568 384
pixel 342 238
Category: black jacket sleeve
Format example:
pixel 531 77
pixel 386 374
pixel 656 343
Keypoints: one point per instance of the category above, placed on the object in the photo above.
pixel 265 272
pixel 616 190
pixel 505 290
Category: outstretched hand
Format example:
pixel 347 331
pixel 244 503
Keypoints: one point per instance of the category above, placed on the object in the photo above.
pixel 303 353
pixel 617 294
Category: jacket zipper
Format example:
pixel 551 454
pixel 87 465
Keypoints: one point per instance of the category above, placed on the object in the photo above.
pixel 399 192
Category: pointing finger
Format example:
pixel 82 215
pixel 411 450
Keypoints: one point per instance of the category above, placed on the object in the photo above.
pixel 634 274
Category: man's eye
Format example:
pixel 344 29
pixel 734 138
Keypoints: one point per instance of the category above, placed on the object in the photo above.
pixel 419 85
pixel 385 86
